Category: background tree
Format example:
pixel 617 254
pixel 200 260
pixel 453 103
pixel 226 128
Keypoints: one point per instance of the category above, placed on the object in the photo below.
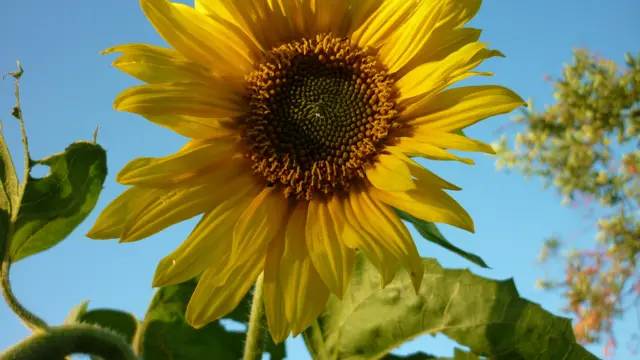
pixel 586 145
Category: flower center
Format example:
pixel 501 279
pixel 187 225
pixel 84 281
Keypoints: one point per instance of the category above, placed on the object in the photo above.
pixel 320 109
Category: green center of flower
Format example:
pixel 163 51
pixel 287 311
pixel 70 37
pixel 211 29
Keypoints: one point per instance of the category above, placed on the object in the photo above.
pixel 319 111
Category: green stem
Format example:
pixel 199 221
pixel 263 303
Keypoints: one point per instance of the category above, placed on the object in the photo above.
pixel 254 346
pixel 30 319
pixel 315 342
pixel 64 340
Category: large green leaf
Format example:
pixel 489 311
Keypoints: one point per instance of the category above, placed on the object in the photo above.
pixel 53 206
pixel 430 232
pixel 488 316
pixel 166 335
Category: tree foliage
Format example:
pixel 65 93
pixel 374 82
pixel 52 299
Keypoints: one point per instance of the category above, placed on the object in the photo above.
pixel 586 145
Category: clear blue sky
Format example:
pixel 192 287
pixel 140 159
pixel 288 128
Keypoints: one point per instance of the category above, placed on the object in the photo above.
pixel 68 89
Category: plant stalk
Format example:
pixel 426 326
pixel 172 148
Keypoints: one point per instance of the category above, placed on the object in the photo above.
pixel 254 346
pixel 64 340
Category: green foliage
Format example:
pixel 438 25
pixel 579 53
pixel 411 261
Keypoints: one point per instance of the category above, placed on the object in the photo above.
pixel 53 206
pixel 457 355
pixel 485 315
pixel 8 180
pixel 429 231
pixel 586 145
pixel 8 190
pixel 165 334
pixel 120 322
pixel 416 356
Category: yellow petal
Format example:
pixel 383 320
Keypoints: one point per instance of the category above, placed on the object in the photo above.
pixel 274 300
pixel 154 65
pixel 357 12
pixel 390 236
pixel 299 17
pixel 364 238
pixel 441 44
pixel 409 39
pixel 329 16
pixel 390 174
pixel 192 159
pixel 428 203
pixel 429 78
pixel 333 260
pixel 110 223
pixel 419 172
pixel 199 37
pixel 253 17
pixel 266 23
pixel 448 140
pixel 260 223
pixel 219 11
pixel 461 107
pixel 458 12
pixel 385 20
pixel 414 147
pixel 208 245
pixel 305 294
pixel 476 60
pixel 181 98
pixel 195 127
pixel 216 8
pixel 215 298
pixel 185 202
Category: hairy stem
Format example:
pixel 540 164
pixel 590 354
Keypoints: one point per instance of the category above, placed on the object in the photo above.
pixel 254 346
pixel 30 319
pixel 64 340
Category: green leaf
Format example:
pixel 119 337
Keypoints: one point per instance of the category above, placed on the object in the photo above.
pixel 124 323
pixel 53 206
pixel 458 355
pixel 416 356
pixel 121 322
pixel 430 232
pixel 459 132
pixel 488 316
pixel 9 186
pixel 166 335
pixel 76 312
pixel 463 355
pixel 8 191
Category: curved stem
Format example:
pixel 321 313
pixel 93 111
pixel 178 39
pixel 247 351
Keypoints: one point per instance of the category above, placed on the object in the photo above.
pixel 30 319
pixel 254 346
pixel 64 340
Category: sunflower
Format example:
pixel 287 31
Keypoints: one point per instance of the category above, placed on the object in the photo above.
pixel 304 118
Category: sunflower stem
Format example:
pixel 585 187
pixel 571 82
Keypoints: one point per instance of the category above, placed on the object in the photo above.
pixel 64 340
pixel 30 319
pixel 254 346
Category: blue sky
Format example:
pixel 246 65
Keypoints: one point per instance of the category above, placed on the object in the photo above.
pixel 68 90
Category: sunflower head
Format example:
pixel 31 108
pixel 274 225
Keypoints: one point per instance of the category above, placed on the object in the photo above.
pixel 304 119
pixel 320 110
